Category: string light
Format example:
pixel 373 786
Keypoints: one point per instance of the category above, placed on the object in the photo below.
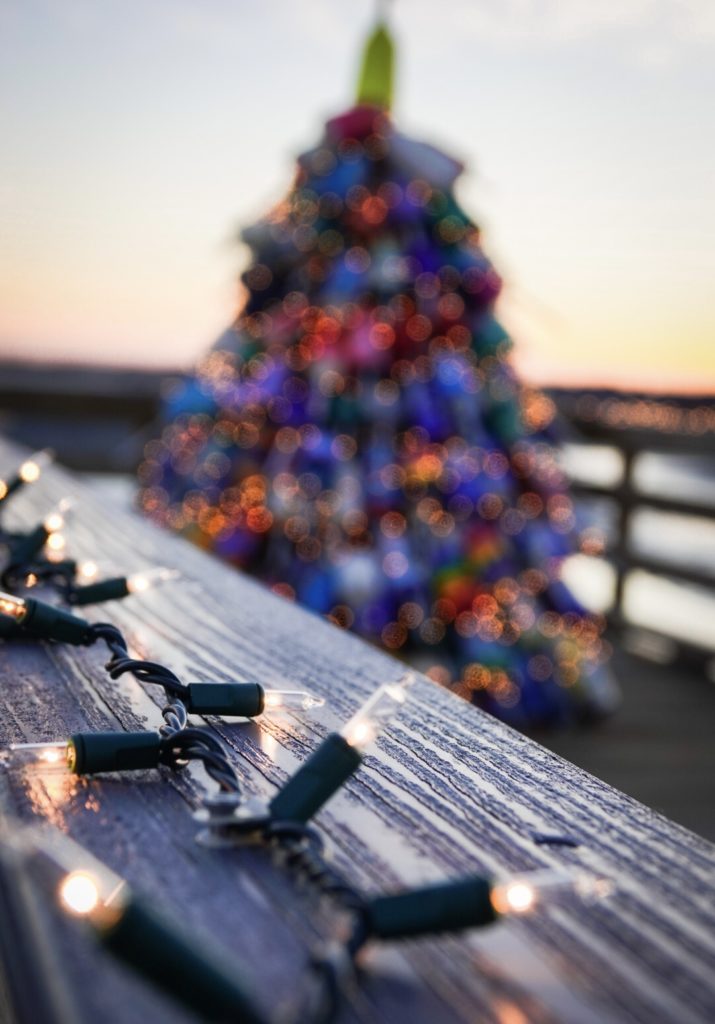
pixel 26 615
pixel 142 581
pixel 31 470
pixel 51 756
pixel 127 926
pixel 79 894
pixel 23 549
pixel 285 700
pixel 369 721
pixel 118 587
pixel 245 700
pixel 523 894
pixel 94 753
pixel 28 473
pixel 338 756
pixel 13 608
pixel 471 903
pixel 131 928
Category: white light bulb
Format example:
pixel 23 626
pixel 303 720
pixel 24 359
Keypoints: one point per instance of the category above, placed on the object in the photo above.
pixel 141 581
pixel 522 895
pixel 375 713
pixel 87 571
pixel 58 517
pixel 79 893
pixel 83 886
pixel 50 756
pixel 278 700
pixel 31 469
pixel 13 607
pixel 518 897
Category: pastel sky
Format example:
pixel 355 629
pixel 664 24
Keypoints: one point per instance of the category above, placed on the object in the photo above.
pixel 138 136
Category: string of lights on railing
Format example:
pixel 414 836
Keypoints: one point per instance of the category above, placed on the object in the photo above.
pixel 126 923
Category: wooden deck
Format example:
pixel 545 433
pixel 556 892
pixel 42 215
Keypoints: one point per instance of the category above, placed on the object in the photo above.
pixel 659 747
pixel 447 791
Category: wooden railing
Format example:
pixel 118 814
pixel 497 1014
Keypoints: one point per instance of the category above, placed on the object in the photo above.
pixel 447 791
pixel 637 426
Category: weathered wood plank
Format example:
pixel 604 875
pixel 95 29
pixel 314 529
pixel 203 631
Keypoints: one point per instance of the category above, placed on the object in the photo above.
pixel 448 790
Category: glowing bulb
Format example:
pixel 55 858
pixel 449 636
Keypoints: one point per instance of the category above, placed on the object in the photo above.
pixel 87 571
pixel 12 606
pixel 521 895
pixel 56 542
pixel 142 581
pixel 31 580
pixel 3 489
pixel 79 893
pixel 361 735
pixel 517 898
pixel 278 700
pixel 375 713
pixel 29 472
pixel 31 469
pixel 51 756
pixel 83 886
pixel 57 519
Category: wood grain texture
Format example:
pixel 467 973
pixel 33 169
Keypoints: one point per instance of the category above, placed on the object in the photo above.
pixel 448 790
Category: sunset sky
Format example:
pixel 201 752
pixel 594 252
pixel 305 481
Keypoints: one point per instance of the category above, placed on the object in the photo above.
pixel 138 136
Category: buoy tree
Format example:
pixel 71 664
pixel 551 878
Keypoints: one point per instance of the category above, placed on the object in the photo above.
pixel 359 441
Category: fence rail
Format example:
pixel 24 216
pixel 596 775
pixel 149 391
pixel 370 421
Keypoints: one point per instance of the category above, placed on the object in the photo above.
pixel 642 433
pixel 447 791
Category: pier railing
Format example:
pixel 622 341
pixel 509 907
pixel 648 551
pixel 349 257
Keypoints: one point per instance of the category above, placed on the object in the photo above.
pixel 634 428
pixel 447 791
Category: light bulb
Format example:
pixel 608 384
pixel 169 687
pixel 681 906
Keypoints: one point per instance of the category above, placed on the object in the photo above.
pixel 79 893
pixel 56 543
pixel 58 517
pixel 87 572
pixel 31 469
pixel 376 712
pixel 141 581
pixel 338 756
pixel 278 700
pixel 514 898
pixel 36 618
pixel 28 473
pixel 133 931
pixel 13 607
pixel 52 756
pixel 83 885
pixel 523 894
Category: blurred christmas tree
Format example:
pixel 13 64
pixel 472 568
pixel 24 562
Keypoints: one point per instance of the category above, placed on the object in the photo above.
pixel 358 439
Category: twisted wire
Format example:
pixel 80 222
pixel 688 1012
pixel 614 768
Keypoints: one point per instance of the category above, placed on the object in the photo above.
pixel 302 849
pixel 299 846
pixel 57 574
pixel 195 745
pixel 180 743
